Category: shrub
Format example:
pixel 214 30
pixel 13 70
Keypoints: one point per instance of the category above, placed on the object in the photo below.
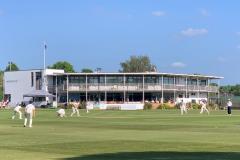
pixel 195 106
pixel 213 106
pixel 148 106
pixel 167 106
pixel 82 105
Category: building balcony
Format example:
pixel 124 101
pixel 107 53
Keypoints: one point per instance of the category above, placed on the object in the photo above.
pixel 132 87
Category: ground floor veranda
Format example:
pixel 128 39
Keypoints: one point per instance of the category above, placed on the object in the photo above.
pixel 121 97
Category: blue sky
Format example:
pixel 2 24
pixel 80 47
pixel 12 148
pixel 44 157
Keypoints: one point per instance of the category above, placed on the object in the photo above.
pixel 179 36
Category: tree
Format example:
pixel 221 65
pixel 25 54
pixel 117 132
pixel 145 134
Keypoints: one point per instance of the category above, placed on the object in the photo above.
pixel 12 67
pixel 138 64
pixel 86 70
pixel 235 90
pixel 1 85
pixel 66 66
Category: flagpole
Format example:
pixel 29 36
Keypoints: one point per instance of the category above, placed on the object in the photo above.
pixel 44 56
pixel 44 66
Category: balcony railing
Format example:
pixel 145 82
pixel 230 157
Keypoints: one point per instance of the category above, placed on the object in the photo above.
pixel 133 87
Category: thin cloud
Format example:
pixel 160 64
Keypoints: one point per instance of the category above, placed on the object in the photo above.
pixel 238 33
pixel 191 32
pixel 178 65
pixel 204 12
pixel 158 13
pixel 238 47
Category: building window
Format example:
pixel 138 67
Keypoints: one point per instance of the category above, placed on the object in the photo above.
pixel 96 79
pixel 168 80
pixel 181 81
pixel 152 79
pixel 134 79
pixel 192 81
pixel 114 79
pixel 38 80
pixel 203 82
pixel 77 79
pixel 32 79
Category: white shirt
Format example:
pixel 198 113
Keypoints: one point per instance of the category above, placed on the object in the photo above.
pixel 183 104
pixel 61 111
pixel 17 109
pixel 229 104
pixel 203 104
pixel 29 108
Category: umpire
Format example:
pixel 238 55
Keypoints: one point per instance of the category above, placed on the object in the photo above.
pixel 229 107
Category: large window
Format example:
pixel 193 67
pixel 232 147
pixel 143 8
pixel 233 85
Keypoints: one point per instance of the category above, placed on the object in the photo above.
pixel 96 79
pixel 134 79
pixel 168 80
pixel 192 82
pixel 203 82
pixel 152 79
pixel 38 80
pixel 77 79
pixel 32 79
pixel 180 80
pixel 114 79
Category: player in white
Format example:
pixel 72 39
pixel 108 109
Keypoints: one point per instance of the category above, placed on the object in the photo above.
pixel 87 106
pixel 16 110
pixel 29 114
pixel 75 108
pixel 229 107
pixel 61 113
pixel 203 104
pixel 183 107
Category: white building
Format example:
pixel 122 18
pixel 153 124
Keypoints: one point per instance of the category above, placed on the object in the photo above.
pixel 111 87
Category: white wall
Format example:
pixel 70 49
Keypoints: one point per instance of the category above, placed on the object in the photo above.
pixel 17 84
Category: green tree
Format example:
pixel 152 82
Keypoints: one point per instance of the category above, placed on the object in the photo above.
pixel 231 89
pixel 86 70
pixel 66 66
pixel 12 67
pixel 1 85
pixel 138 64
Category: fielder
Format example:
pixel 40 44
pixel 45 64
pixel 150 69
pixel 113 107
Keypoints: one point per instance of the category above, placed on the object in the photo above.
pixel 183 107
pixel 29 114
pixel 16 110
pixel 61 113
pixel 75 108
pixel 203 107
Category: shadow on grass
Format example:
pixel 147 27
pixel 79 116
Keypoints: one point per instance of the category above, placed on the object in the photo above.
pixel 161 156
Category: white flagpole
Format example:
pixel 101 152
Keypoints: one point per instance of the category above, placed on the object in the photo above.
pixel 44 56
pixel 44 67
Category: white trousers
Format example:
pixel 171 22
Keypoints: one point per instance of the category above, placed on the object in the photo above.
pixel 28 117
pixel 183 109
pixel 61 115
pixel 75 110
pixel 14 114
pixel 204 108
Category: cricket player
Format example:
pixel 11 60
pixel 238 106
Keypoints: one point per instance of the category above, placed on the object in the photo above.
pixel 229 107
pixel 203 104
pixel 75 108
pixel 29 114
pixel 87 105
pixel 61 113
pixel 16 110
pixel 183 107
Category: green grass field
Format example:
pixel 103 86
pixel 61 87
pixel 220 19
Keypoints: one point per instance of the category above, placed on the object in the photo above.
pixel 118 135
